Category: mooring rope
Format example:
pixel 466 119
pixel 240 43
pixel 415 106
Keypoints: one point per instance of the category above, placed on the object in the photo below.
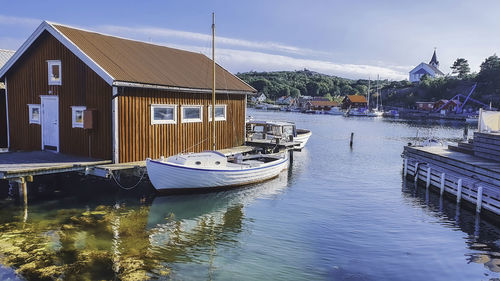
pixel 131 187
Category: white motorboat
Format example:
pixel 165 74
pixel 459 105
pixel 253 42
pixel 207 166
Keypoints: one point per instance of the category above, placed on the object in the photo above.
pixel 277 131
pixel 359 112
pixel 212 169
pixel 302 137
pixel 334 111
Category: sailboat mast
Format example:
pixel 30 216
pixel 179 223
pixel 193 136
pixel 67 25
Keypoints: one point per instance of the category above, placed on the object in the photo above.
pixel 378 77
pixel 368 94
pixel 213 81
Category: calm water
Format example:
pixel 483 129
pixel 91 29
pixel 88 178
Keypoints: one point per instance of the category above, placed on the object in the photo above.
pixel 336 214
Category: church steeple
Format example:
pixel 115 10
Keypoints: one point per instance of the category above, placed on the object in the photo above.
pixel 434 62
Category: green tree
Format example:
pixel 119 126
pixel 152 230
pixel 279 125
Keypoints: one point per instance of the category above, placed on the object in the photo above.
pixel 260 85
pixel 294 92
pixel 328 96
pixel 460 67
pixel 312 88
pixel 490 69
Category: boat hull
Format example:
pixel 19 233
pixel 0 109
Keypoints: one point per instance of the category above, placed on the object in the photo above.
pixel 165 176
pixel 302 138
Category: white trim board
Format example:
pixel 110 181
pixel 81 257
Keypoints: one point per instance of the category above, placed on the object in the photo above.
pixel 7 113
pixel 115 125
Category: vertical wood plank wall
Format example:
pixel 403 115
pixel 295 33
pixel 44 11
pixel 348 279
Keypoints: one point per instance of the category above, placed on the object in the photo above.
pixel 28 79
pixel 3 120
pixel 138 139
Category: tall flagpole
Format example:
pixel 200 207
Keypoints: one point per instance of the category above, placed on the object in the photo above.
pixel 213 81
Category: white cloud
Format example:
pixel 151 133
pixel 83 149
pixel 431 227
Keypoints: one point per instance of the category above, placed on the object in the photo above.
pixel 244 60
pixel 251 56
pixel 19 21
pixel 162 34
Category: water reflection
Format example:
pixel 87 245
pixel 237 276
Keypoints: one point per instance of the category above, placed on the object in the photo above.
pixel 123 240
pixel 482 237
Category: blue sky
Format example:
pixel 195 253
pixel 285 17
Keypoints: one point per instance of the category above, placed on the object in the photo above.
pixel 353 39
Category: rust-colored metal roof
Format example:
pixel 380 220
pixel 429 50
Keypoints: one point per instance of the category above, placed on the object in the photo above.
pixel 356 98
pixel 139 62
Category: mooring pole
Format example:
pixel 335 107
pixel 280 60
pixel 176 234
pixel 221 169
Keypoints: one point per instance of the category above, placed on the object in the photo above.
pixel 352 137
pixel 443 176
pixel 428 179
pixel 479 201
pixel 416 173
pixel 459 190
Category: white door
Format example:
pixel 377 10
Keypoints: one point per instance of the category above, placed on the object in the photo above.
pixel 50 123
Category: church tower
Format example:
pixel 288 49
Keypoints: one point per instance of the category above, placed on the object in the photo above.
pixel 434 62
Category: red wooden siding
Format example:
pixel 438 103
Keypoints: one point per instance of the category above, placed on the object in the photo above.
pixel 28 79
pixel 138 139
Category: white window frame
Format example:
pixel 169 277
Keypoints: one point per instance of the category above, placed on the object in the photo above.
pixel 74 109
pixel 156 122
pixel 30 109
pixel 51 63
pixel 191 120
pixel 217 118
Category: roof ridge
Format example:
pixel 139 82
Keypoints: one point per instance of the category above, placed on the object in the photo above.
pixel 119 37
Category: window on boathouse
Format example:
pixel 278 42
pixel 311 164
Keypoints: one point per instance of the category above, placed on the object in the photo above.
pixel 191 113
pixel 54 70
pixel 163 114
pixel 77 116
pixel 34 113
pixel 220 112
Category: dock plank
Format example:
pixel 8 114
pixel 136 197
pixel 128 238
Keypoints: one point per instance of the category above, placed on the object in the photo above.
pixel 32 163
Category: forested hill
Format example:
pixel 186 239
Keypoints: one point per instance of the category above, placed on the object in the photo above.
pixel 308 83
pixel 395 93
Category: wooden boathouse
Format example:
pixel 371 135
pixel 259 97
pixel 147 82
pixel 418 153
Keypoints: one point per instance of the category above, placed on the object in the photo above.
pixel 88 94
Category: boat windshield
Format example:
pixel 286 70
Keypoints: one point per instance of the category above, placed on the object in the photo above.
pixel 288 130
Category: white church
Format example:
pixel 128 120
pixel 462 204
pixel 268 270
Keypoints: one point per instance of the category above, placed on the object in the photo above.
pixel 431 69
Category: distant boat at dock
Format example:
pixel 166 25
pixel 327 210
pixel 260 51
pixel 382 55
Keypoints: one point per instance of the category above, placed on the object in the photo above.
pixel 276 132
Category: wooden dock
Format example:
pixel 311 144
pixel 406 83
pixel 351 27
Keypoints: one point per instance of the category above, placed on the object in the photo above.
pixel 16 165
pixel 464 176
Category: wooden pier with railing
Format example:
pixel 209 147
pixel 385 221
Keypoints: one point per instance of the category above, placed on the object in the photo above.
pixel 468 172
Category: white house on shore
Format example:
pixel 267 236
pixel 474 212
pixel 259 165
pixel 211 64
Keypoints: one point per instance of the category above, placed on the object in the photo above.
pixel 431 69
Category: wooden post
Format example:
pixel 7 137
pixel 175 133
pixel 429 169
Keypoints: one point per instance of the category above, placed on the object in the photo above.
pixel 428 179
pixel 479 199
pixel 416 173
pixel 23 190
pixel 405 167
pixel 466 131
pixel 352 137
pixel 442 182
pixel 459 190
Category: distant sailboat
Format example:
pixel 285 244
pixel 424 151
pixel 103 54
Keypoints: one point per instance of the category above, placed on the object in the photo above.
pixel 212 169
pixel 378 110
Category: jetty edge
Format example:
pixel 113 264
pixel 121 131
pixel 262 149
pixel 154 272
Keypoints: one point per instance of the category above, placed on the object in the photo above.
pixel 468 171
